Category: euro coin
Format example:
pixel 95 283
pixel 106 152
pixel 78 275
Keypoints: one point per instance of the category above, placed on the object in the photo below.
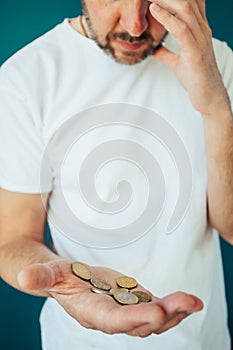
pixel 101 284
pixel 126 282
pixel 99 291
pixel 117 290
pixel 126 298
pixel 142 296
pixel 81 270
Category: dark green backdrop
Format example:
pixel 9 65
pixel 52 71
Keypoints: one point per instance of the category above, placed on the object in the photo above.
pixel 21 22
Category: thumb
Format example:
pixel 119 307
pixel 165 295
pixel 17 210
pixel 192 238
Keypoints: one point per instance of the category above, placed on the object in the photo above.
pixel 37 277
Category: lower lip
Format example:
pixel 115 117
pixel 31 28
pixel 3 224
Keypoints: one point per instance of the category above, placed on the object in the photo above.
pixel 130 47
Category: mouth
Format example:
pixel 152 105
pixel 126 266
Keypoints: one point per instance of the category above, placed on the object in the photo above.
pixel 130 47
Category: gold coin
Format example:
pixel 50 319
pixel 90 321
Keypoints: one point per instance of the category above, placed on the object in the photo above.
pixel 126 282
pixel 126 298
pixel 142 296
pixel 101 284
pixel 81 270
pixel 117 290
pixel 99 291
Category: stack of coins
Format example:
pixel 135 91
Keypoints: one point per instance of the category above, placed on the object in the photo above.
pixel 122 295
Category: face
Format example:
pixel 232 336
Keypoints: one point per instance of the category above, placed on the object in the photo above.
pixel 124 29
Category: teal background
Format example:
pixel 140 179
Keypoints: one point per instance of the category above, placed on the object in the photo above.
pixel 21 22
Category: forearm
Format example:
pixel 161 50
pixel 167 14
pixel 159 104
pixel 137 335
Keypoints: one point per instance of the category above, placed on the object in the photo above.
pixel 219 151
pixel 20 253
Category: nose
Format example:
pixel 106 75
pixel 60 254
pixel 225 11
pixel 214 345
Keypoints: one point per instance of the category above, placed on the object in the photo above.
pixel 134 17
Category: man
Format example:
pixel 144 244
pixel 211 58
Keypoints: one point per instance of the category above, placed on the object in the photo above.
pixel 177 77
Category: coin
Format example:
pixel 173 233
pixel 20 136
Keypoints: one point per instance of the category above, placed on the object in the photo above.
pixel 142 296
pixel 81 270
pixel 99 291
pixel 126 298
pixel 126 282
pixel 117 290
pixel 101 284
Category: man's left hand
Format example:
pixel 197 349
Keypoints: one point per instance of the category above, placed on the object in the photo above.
pixel 195 66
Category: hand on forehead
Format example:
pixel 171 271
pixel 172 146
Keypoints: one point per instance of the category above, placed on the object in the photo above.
pixel 201 5
pixel 179 3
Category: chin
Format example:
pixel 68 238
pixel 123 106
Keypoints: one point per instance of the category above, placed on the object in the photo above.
pixel 127 58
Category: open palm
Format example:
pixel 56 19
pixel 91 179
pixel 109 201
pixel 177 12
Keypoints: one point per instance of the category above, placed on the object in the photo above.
pixel 101 311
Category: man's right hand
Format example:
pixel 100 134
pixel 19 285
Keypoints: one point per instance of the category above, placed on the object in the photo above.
pixel 101 311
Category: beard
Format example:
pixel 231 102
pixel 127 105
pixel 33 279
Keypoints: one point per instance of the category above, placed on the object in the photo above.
pixel 126 57
pixel 131 58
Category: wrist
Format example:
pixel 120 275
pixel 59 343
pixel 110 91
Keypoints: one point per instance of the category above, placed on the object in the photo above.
pixel 218 111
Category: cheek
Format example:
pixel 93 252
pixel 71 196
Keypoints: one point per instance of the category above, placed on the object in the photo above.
pixel 103 23
pixel 104 16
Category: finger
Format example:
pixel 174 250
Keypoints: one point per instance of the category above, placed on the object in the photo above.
pixel 199 305
pixel 152 317
pixel 180 302
pixel 186 10
pixel 144 330
pixel 174 321
pixel 37 277
pixel 173 316
pixel 128 319
pixel 148 329
pixel 175 26
pixel 202 8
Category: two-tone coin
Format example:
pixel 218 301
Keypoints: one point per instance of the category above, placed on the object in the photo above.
pixel 99 283
pixel 126 298
pixel 142 296
pixel 81 270
pixel 117 290
pixel 126 282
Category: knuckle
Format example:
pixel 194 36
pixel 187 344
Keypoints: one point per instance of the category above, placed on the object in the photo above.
pixel 184 6
pixel 144 334
pixel 86 325
pixel 208 30
pixel 183 29
pixel 110 331
pixel 167 17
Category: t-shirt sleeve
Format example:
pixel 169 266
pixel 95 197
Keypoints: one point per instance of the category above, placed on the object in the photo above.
pixel 22 144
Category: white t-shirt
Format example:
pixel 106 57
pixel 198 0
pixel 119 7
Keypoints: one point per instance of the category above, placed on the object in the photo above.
pixel 119 147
